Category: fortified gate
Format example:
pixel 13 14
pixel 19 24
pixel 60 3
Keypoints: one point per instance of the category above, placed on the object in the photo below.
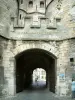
pixel 37 34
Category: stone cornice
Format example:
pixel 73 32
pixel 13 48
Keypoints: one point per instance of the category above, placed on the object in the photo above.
pixel 34 37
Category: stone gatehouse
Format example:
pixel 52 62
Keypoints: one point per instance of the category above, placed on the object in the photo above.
pixel 37 34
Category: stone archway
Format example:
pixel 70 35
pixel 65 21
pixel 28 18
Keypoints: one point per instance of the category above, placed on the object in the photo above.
pixel 52 50
pixel 37 45
pixel 30 59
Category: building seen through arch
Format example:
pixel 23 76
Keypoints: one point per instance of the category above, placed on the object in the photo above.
pixel 39 74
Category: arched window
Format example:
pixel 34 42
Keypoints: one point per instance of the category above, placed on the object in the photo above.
pixel 21 1
pixel 41 4
pixel 30 3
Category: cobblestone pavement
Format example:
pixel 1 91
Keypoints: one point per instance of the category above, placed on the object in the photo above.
pixel 36 95
pixel 36 92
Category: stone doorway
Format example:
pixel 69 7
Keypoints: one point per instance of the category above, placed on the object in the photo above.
pixel 31 59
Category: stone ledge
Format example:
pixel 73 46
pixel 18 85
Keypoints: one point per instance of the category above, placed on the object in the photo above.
pixel 18 26
pixel 51 27
pixel 35 26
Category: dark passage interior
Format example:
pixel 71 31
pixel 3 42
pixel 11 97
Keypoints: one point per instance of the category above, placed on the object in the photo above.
pixel 31 59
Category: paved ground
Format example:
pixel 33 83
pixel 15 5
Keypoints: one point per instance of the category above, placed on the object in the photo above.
pixel 37 93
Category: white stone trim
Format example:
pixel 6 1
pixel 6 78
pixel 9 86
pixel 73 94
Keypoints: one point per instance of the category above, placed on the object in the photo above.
pixel 36 45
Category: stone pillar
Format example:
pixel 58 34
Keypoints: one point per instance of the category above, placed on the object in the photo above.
pixel 12 77
pixel 9 76
pixel 62 67
pixel 1 69
pixel 1 79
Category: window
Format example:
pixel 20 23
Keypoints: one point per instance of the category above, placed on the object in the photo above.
pixel 71 59
pixel 30 3
pixel 41 4
pixel 20 16
pixel 42 77
pixel 0 57
pixel 21 1
pixel 73 76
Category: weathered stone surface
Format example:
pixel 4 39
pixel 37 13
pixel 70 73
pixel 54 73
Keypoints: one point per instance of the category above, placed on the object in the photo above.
pixel 25 20
pixel 51 29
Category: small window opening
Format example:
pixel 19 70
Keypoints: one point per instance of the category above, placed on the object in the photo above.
pixel 71 59
pixel 41 4
pixel 30 3
pixel 21 1
pixel 0 57
pixel 20 16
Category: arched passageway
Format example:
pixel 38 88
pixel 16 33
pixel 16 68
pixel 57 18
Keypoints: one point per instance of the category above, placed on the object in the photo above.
pixel 31 59
pixel 39 79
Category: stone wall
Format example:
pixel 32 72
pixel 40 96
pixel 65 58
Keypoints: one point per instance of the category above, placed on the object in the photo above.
pixel 63 67
pixel 3 45
pixel 1 68
pixel 63 50
pixel 57 23
pixel 13 48
pixel 8 9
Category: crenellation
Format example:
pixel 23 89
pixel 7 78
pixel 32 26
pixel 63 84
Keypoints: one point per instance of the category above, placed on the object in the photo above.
pixel 35 22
